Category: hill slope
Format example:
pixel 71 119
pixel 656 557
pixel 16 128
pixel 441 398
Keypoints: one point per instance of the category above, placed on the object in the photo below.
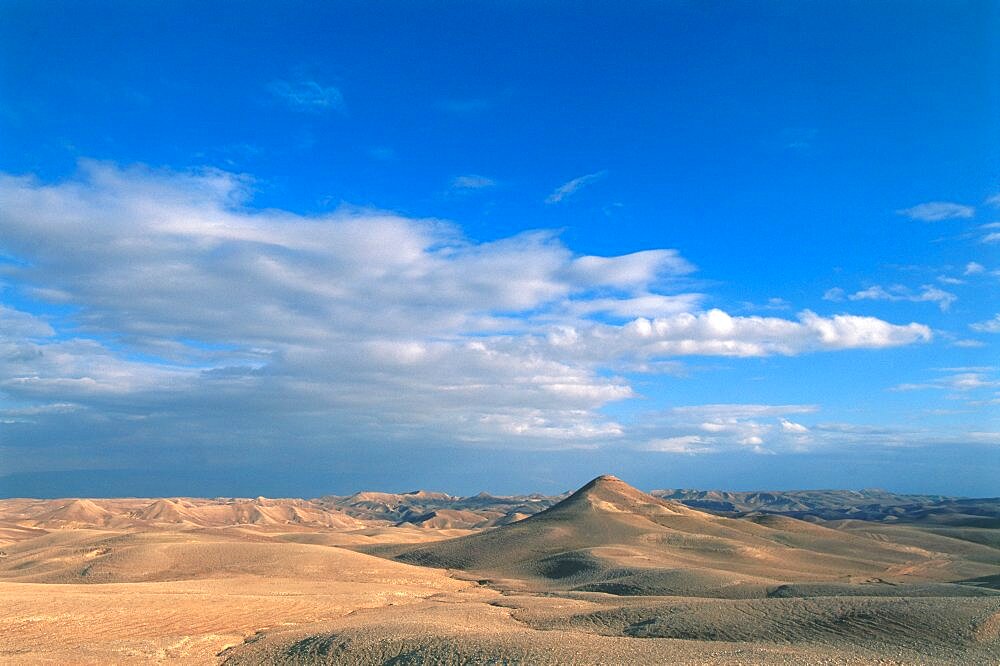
pixel 611 537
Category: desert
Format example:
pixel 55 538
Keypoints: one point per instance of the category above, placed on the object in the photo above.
pixel 607 574
pixel 650 332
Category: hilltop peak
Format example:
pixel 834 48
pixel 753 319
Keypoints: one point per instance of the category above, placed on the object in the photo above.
pixel 606 478
pixel 608 483
pixel 609 494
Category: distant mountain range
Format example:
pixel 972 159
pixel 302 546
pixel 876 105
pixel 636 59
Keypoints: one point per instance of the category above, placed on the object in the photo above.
pixel 871 504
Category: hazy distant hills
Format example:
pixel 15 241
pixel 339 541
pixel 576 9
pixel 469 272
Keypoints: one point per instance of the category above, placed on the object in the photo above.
pixel 872 505
pixel 439 510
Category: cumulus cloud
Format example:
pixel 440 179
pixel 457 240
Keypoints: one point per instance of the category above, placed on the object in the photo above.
pixel 198 318
pixel 935 211
pixel 973 268
pixel 716 333
pixel 568 189
pixel 926 294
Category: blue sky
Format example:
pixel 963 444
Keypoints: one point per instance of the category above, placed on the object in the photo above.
pixel 289 251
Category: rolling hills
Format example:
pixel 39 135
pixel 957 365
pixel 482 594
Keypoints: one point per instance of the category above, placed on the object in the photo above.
pixel 607 574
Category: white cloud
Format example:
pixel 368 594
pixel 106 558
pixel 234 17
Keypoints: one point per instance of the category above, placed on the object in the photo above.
pixel 191 309
pixel 627 271
pixel 965 379
pixel 772 304
pixel 15 324
pixel 680 444
pixel 717 333
pixel 567 189
pixel 988 326
pixel 742 411
pixel 641 305
pixel 308 95
pixel 973 268
pixel 927 294
pixel 935 211
pixel 727 427
pixel 766 429
pixel 992 235
pixel 791 426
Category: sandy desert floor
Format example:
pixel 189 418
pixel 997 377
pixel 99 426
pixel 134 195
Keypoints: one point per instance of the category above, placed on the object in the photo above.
pixel 610 576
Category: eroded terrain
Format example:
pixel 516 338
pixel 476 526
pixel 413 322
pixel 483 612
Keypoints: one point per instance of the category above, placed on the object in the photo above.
pixel 605 575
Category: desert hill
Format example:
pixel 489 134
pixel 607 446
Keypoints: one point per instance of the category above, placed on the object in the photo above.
pixel 607 574
pixel 139 513
pixel 614 575
pixel 101 557
pixel 76 513
pixel 611 537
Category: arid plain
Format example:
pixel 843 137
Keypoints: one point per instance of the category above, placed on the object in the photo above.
pixel 607 574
